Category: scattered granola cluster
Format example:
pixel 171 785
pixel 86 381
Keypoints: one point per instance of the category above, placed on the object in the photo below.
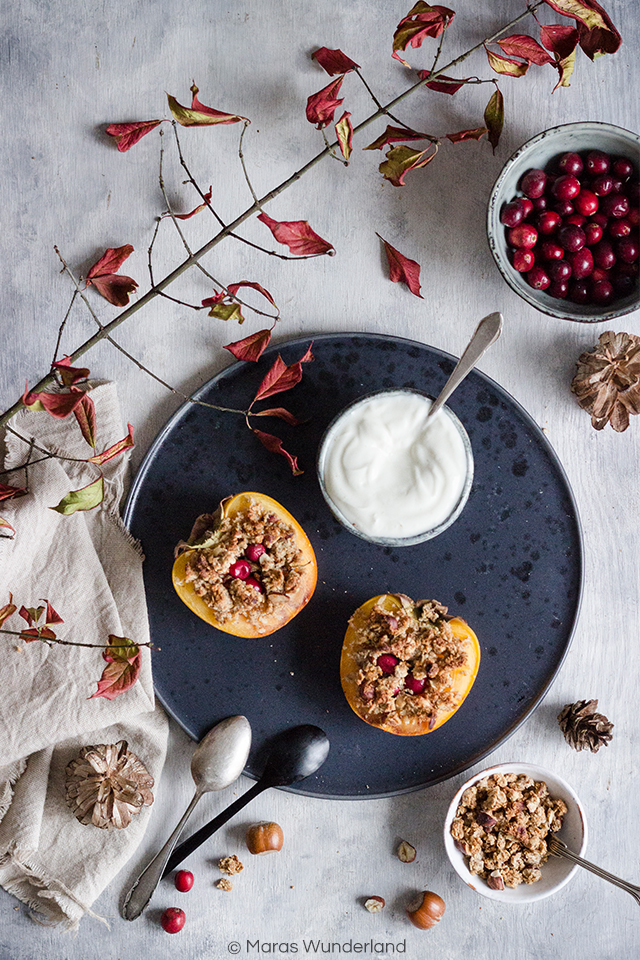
pixel 230 866
pixel 501 825
pixel 246 565
pixel 406 661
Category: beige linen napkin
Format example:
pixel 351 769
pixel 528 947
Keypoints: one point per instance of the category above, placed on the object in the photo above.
pixel 90 569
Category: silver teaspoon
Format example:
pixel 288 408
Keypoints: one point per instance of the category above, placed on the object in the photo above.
pixel 559 849
pixel 486 333
pixel 217 762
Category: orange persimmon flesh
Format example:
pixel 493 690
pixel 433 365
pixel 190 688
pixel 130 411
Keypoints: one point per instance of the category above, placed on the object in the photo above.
pixel 461 681
pixel 239 626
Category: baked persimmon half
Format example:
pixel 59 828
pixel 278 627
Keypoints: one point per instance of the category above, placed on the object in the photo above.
pixel 406 667
pixel 246 569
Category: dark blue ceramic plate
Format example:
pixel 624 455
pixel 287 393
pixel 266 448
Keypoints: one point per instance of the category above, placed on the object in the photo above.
pixel 511 565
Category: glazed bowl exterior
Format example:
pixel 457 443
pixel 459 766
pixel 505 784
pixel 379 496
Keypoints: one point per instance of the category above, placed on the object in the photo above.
pixel 556 872
pixel 538 153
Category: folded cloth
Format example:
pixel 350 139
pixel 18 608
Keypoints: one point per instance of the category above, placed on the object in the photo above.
pixel 89 568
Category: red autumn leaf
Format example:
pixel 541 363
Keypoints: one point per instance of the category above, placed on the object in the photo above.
pixel 524 46
pixel 252 347
pixel 127 135
pixel 58 405
pixel 402 269
pixel 10 493
pixel 8 610
pixel 334 61
pixel 281 377
pixel 322 105
pixel 102 275
pixel 282 413
pixel 68 374
pixel 201 206
pixel 401 160
pixel 561 40
pixel 85 414
pixel 494 117
pixel 344 133
pixel 234 287
pixel 298 236
pixel 507 66
pixel 442 84
pixel 123 668
pixel 474 134
pixel 5 525
pixel 274 444
pixel 52 617
pixel 421 22
pixel 125 444
pixel 597 34
pixel 224 309
pixel 197 115
pixel 394 135
pixel 39 631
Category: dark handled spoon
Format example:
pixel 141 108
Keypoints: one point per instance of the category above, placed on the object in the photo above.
pixel 295 754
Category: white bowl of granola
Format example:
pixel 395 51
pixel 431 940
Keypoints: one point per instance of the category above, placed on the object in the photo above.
pixel 496 826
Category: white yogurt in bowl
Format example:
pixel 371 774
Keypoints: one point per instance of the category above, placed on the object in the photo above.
pixel 390 476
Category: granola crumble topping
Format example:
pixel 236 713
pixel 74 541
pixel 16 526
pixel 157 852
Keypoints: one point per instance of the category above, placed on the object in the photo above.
pixel 230 865
pixel 501 826
pixel 406 661
pixel 273 577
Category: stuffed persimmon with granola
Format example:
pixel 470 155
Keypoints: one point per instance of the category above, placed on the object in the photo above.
pixel 405 667
pixel 246 569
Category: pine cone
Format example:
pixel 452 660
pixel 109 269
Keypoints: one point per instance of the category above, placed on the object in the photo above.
pixel 607 383
pixel 107 784
pixel 583 727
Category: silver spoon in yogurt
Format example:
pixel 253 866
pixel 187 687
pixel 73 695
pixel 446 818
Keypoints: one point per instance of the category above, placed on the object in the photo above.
pixel 486 333
pixel 217 762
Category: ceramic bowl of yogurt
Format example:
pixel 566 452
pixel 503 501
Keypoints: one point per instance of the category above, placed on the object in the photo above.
pixel 389 475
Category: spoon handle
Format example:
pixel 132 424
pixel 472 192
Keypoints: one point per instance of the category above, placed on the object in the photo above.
pixel 559 849
pixel 143 888
pixel 486 333
pixel 193 842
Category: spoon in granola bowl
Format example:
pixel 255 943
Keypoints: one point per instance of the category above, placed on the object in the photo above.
pixel 557 848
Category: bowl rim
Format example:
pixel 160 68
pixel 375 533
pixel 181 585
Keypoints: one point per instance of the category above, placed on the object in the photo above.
pixel 415 538
pixel 564 309
pixel 457 860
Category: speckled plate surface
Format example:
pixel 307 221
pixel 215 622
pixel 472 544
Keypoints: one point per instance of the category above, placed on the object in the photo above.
pixel 511 565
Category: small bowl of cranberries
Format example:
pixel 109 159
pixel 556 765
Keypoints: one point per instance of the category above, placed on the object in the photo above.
pixel 563 222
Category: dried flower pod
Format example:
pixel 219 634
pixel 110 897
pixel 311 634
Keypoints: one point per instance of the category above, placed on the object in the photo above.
pixel 607 382
pixel 583 727
pixel 427 911
pixel 107 784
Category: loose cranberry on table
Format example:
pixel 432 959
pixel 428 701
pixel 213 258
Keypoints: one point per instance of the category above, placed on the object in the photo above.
pixel 183 881
pixel 172 920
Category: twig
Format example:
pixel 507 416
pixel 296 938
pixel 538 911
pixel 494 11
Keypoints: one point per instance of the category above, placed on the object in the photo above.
pixel 391 116
pixel 62 326
pixel 69 643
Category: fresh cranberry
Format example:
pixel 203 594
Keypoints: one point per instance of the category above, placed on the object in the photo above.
pixel 615 205
pixel 254 551
pixel 624 281
pixel 571 163
pixel 533 183
pixel 581 263
pixel 525 235
pixel 586 203
pixel 620 228
pixel 564 208
pixel 414 684
pixel 597 162
pixel 559 270
pixel 552 250
pixel 627 249
pixel 602 292
pixel 571 237
pixel 576 218
pixel 603 255
pixel 579 291
pixel 602 185
pixel 559 289
pixel 600 219
pixel 599 274
pixel 540 204
pixel 523 259
pixel 511 214
pixel 538 278
pixel 183 881
pixel 632 190
pixel 252 582
pixel 173 919
pixel 622 167
pixel 566 188
pixel 548 222
pixel 633 216
pixel 387 662
pixel 526 204
pixel 592 233
pixel 240 570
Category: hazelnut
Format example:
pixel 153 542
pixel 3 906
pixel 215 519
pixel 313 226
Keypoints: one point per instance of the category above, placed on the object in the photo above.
pixel 264 837
pixel 374 904
pixel 406 852
pixel 427 911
